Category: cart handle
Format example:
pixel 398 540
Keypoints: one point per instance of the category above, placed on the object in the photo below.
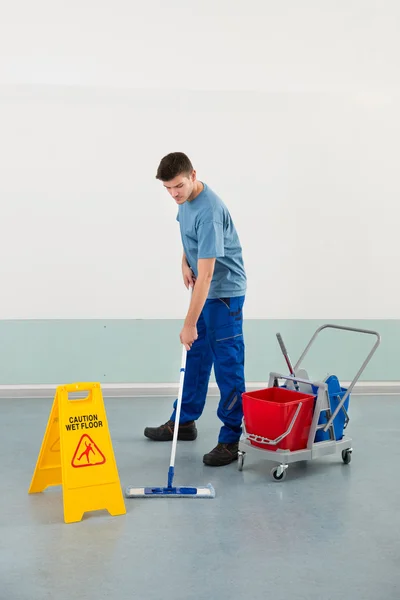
pixel 263 440
pixel 356 378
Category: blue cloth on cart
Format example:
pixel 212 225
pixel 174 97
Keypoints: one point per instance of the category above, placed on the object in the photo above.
pixel 336 393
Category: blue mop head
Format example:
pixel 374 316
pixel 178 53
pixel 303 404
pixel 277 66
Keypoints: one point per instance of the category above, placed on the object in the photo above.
pixel 170 492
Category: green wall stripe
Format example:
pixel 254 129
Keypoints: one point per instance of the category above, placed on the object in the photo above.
pixel 149 351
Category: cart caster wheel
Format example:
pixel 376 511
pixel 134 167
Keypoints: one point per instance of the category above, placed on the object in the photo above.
pixel 278 474
pixel 241 456
pixel 346 456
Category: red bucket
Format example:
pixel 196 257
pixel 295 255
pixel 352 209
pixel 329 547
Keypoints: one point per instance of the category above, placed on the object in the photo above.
pixel 269 413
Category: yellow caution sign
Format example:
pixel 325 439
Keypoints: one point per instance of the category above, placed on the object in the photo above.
pixel 77 453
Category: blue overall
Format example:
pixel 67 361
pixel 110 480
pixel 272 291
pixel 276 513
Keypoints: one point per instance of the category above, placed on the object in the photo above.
pixel 219 342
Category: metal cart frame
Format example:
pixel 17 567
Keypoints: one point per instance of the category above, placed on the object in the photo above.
pixel 313 449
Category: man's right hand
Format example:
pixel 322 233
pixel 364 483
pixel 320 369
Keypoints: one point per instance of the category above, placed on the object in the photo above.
pixel 188 276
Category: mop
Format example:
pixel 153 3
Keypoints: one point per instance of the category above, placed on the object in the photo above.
pixel 170 491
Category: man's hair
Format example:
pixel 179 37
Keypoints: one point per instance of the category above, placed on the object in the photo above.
pixel 172 165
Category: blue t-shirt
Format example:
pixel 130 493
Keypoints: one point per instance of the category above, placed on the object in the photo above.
pixel 207 231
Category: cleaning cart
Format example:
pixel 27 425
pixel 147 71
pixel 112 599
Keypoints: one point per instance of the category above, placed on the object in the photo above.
pixel 297 419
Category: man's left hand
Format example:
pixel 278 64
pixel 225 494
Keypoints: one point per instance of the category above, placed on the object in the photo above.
pixel 188 336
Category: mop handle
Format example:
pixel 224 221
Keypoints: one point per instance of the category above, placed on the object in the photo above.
pixel 288 362
pixel 284 352
pixel 179 402
pixel 178 407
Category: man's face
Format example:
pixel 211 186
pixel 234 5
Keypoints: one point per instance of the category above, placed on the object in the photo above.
pixel 181 187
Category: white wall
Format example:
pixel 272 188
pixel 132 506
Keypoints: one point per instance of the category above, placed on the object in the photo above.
pixel 290 111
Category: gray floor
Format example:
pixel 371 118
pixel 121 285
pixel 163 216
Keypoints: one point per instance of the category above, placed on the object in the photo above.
pixel 329 531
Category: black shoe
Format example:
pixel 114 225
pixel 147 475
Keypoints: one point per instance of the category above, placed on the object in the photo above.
pixel 222 454
pixel 164 433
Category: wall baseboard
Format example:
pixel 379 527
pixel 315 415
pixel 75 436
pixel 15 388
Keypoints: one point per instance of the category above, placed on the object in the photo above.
pixel 139 390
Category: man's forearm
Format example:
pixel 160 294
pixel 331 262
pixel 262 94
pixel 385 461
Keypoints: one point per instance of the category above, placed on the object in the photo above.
pixel 199 297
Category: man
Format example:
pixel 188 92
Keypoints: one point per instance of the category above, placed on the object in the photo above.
pixel 213 329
